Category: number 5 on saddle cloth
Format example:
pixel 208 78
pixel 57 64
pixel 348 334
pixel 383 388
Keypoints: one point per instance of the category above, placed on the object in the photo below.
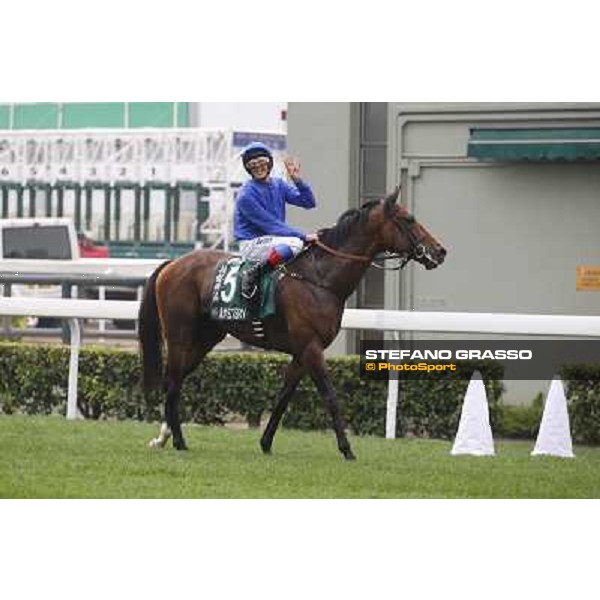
pixel 254 269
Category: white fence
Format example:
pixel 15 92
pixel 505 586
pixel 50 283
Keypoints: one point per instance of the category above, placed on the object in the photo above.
pixel 379 320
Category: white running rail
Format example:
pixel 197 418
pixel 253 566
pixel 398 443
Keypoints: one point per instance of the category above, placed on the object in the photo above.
pixel 379 320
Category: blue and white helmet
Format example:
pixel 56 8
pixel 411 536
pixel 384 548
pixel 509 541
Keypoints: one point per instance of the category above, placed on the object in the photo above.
pixel 254 150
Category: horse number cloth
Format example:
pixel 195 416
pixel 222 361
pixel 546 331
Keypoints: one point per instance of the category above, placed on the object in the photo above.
pixel 228 304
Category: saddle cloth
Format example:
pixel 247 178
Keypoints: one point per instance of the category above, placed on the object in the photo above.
pixel 228 304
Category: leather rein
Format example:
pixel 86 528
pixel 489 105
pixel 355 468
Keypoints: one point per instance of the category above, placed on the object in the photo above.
pixel 357 257
pixel 416 250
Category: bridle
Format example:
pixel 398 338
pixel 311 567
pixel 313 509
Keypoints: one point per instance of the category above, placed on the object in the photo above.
pixel 417 250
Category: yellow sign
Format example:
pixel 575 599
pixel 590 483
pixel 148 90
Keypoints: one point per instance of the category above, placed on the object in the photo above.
pixel 588 279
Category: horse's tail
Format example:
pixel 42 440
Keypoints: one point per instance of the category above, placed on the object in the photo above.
pixel 149 335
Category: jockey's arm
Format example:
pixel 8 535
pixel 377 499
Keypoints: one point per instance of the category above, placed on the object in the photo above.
pixel 264 221
pixel 300 194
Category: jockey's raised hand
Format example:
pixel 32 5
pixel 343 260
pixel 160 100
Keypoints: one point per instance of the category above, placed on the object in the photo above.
pixel 293 168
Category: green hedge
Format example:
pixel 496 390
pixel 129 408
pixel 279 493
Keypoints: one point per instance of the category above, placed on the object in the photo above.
pixel 583 393
pixel 428 407
pixel 34 381
pixel 520 422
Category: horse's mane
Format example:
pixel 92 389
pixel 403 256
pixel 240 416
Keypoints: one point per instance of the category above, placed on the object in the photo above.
pixel 347 222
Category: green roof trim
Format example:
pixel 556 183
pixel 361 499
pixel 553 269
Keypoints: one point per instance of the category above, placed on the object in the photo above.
pixel 564 144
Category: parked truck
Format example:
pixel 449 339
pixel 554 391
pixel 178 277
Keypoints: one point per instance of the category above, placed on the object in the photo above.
pixel 42 245
pixel 51 245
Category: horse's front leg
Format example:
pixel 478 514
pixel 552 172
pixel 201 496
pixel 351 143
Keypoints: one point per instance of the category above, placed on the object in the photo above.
pixel 293 375
pixel 314 361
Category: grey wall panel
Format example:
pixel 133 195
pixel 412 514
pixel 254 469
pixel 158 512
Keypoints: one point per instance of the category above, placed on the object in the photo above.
pixel 320 136
pixel 515 235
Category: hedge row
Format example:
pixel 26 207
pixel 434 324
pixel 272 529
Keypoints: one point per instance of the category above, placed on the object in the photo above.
pixel 34 381
pixel 583 393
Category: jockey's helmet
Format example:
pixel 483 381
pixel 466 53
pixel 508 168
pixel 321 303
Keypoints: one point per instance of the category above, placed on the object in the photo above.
pixel 256 150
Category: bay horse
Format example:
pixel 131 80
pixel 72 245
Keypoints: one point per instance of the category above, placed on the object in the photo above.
pixel 174 312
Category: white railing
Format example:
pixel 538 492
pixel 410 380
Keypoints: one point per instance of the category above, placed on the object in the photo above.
pixel 379 320
pixel 458 322
pixel 72 310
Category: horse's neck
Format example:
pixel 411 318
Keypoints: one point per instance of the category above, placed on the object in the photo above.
pixel 342 275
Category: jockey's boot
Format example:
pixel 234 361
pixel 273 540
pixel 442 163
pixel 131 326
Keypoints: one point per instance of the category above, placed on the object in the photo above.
pixel 250 281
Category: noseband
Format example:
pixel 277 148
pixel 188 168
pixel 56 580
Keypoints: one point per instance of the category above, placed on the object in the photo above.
pixel 417 248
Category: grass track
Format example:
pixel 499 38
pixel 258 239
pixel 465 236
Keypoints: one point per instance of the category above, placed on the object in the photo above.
pixel 48 457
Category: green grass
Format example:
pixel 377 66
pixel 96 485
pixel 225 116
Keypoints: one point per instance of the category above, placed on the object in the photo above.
pixel 49 457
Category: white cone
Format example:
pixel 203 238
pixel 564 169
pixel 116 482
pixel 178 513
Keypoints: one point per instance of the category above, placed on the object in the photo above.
pixel 554 437
pixel 474 435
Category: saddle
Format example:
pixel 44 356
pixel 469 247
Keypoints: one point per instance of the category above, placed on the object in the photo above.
pixel 227 302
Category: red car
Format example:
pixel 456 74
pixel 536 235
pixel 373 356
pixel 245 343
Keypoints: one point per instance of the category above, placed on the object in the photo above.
pixel 88 249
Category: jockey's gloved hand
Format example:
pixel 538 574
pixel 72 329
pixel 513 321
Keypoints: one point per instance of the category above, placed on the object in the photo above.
pixel 310 238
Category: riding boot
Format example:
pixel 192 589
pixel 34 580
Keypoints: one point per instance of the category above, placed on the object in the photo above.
pixel 250 281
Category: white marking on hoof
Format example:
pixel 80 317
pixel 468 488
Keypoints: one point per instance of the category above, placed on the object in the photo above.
pixel 163 437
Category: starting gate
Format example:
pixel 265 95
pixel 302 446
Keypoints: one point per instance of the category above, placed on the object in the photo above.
pixel 143 192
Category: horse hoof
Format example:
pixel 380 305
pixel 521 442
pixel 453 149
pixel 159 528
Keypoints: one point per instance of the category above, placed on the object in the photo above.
pixel 156 444
pixel 349 456
pixel 181 447
pixel 265 448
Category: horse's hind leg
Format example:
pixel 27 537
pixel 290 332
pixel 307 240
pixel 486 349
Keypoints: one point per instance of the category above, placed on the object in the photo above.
pixel 171 427
pixel 177 368
pixel 182 359
pixel 174 383
pixel 163 437
pixel 293 374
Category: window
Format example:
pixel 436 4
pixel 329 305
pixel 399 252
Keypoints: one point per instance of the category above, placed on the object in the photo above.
pixel 36 242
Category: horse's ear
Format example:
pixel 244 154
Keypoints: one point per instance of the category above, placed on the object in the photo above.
pixel 392 199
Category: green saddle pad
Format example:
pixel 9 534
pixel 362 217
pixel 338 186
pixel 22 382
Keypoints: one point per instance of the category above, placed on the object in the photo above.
pixel 228 304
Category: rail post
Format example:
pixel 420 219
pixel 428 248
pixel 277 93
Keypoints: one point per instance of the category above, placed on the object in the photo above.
pixel 75 329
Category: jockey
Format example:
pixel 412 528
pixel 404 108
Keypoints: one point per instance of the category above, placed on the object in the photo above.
pixel 259 220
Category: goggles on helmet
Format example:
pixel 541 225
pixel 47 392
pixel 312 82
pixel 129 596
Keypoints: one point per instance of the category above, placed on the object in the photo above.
pixel 256 163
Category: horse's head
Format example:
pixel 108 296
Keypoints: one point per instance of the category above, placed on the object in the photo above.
pixel 401 233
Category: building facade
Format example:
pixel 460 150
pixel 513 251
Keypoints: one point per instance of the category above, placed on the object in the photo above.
pixel 511 189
